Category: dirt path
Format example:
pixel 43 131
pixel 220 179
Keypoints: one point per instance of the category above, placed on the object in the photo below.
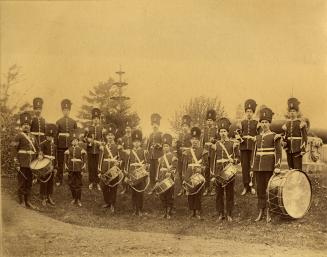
pixel 27 233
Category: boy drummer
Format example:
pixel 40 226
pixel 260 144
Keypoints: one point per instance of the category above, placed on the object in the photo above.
pixel 109 158
pixel 266 159
pixel 196 159
pixel 49 150
pixel 75 163
pixel 226 152
pixel 166 169
pixel 137 158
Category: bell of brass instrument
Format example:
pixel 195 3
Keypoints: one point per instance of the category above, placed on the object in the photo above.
pixel 238 135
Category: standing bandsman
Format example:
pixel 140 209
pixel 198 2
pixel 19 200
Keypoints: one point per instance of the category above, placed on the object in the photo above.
pixel 246 133
pixel 183 143
pixel 266 159
pixel 154 147
pixel 137 159
pixel 196 159
pixel 65 126
pixel 295 136
pixel 125 144
pixel 49 150
pixel 208 139
pixel 75 163
pixel 38 122
pixel 166 169
pixel 94 137
pixel 25 150
pixel 226 152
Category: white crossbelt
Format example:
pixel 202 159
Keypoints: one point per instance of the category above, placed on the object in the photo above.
pixel 38 133
pixel 26 151
pixel 64 134
pixel 265 153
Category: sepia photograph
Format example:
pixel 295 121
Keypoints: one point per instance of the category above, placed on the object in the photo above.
pixel 163 128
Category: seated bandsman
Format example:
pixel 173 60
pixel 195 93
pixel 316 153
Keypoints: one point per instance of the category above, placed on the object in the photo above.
pixel 75 163
pixel 109 159
pixel 296 137
pixel 196 159
pixel 226 152
pixel 166 169
pixel 137 165
pixel 38 122
pixel 266 159
pixel 49 150
pixel 25 150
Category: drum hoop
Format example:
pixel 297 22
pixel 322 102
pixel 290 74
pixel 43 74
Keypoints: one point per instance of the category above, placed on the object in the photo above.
pixel 168 187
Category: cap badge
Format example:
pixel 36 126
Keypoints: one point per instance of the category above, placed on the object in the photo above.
pixel 249 105
pixel 264 114
pixel 25 117
pixel 291 104
pixel 194 132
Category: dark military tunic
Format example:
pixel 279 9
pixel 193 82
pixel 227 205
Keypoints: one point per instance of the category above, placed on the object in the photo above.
pixel 38 128
pixel 154 148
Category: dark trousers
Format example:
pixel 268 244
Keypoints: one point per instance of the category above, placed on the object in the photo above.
pixel 220 192
pixel 75 184
pixel 60 171
pixel 93 161
pixel 137 197
pixel 246 156
pixel 180 170
pixel 207 174
pixel 194 201
pixel 167 198
pixel 47 187
pixel 24 178
pixel 262 179
pixel 153 170
pixel 109 194
pixel 294 161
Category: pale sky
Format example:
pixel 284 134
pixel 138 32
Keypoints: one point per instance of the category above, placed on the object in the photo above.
pixel 171 51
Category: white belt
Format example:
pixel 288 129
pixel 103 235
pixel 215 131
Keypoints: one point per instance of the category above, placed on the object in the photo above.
pixel 290 138
pixel 194 165
pixel 222 160
pixel 75 160
pixel 266 149
pixel 38 133
pixel 49 157
pixel 249 137
pixel 27 151
pixel 135 164
pixel 265 153
pixel 109 160
pixel 184 148
pixel 64 134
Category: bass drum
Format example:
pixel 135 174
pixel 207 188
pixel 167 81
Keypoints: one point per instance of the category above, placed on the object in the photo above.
pixel 42 168
pixel 289 193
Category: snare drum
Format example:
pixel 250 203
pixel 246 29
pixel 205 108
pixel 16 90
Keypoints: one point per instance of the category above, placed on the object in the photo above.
pixel 111 176
pixel 195 184
pixel 227 174
pixel 289 193
pixel 41 168
pixel 164 185
pixel 137 175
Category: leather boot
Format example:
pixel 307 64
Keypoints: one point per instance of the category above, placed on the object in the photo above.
pixel 44 201
pixel 51 202
pixel 268 219
pixel 260 215
pixel 169 213
pixel 28 204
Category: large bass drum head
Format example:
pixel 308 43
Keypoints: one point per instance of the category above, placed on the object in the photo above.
pixel 297 194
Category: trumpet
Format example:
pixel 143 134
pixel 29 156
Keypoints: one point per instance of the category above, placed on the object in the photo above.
pixel 238 135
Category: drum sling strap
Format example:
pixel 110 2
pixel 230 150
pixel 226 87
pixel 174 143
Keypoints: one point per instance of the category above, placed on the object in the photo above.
pixel 29 141
pixel 166 162
pixel 141 163
pixel 225 150
pixel 194 157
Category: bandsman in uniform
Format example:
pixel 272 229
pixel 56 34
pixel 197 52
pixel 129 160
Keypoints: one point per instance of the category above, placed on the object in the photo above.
pixel 266 159
pixel 49 150
pixel 295 136
pixel 138 157
pixel 183 143
pixel 226 152
pixel 25 150
pixel 154 147
pixel 94 138
pixel 125 144
pixel 65 126
pixel 38 122
pixel 166 169
pixel 109 158
pixel 75 163
pixel 246 133
pixel 209 137
pixel 196 159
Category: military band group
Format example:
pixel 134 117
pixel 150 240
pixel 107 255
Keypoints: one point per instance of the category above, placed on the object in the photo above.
pixel 202 160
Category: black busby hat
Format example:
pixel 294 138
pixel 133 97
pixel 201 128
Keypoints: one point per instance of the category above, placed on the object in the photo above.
pixel 155 118
pixel 250 104
pixel 211 114
pixel 266 114
pixel 37 103
pixel 111 128
pixel 66 104
pixel 293 104
pixel 25 118
pixel 51 130
pixel 96 113
pixel 223 123
pixel 167 139
pixel 187 120
pixel 136 135
pixel 196 132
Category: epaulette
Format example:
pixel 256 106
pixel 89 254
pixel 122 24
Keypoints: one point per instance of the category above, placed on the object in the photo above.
pixel 205 151
pixel 277 136
pixel 303 124
pixel 284 127
pixel 67 151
